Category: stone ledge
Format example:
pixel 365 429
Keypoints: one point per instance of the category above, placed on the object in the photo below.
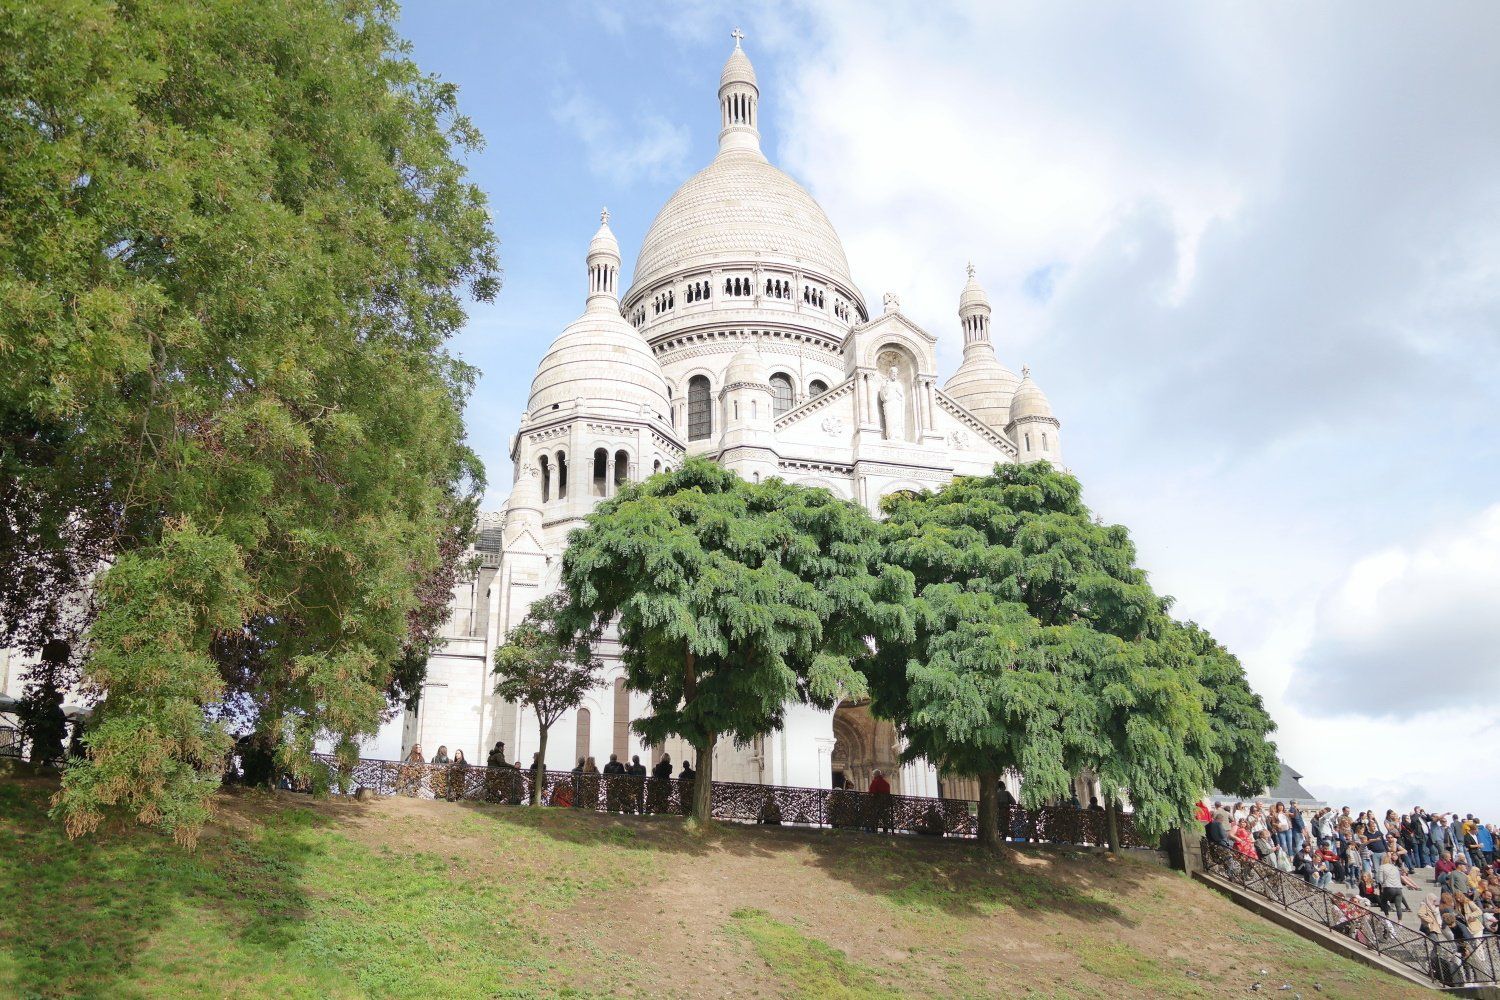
pixel 1316 934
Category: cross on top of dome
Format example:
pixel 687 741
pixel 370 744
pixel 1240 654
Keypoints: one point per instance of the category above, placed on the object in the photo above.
pixel 604 215
pixel 737 35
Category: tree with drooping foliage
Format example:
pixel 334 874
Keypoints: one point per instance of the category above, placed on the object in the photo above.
pixel 733 600
pixel 233 242
pixel 1041 648
pixel 547 667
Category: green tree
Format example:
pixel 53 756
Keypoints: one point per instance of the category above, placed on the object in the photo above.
pixel 233 241
pixel 733 599
pixel 1040 647
pixel 545 666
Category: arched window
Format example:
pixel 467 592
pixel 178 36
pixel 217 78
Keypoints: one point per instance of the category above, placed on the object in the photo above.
pixel 546 465
pixel 622 469
pixel 621 746
pixel 1028 442
pixel 562 475
pixel 700 409
pixel 816 387
pixel 1044 440
pixel 581 744
pixel 600 471
pixel 656 467
pixel 781 387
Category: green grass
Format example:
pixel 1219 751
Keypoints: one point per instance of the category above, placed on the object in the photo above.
pixel 292 897
pixel 292 908
pixel 809 968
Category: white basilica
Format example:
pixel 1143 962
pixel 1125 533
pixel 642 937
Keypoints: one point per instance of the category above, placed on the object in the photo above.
pixel 742 337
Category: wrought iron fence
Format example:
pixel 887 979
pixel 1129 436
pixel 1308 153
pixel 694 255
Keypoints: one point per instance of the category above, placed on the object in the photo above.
pixel 733 801
pixel 1451 963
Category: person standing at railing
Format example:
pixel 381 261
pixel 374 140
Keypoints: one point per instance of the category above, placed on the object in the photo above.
pixel 616 798
pixel 409 774
pixel 881 808
pixel 637 772
pixel 458 776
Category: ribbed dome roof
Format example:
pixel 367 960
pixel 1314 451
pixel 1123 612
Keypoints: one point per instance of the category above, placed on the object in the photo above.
pixel 601 358
pixel 737 69
pixel 740 208
pixel 973 294
pixel 1029 401
pixel 984 387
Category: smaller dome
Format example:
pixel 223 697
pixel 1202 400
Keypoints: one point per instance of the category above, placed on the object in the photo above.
pixel 747 368
pixel 601 358
pixel 972 295
pixel 737 69
pixel 1029 401
pixel 984 387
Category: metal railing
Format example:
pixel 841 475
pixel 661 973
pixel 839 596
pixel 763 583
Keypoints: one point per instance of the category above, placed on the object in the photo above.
pixel 734 801
pixel 1450 963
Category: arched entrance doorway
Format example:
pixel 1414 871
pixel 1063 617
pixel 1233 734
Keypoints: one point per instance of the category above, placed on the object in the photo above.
pixel 862 745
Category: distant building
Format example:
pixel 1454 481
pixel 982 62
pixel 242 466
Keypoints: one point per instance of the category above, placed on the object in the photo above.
pixel 1288 789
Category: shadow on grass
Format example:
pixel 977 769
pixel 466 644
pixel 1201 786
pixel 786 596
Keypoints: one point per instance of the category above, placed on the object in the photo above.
pixel 951 876
pixel 77 914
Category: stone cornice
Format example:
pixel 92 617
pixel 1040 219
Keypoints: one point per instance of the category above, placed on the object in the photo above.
pixel 956 410
pixel 805 466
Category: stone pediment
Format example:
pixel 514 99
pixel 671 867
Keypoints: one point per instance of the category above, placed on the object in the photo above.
pixel 973 425
pixel 866 342
pixel 826 401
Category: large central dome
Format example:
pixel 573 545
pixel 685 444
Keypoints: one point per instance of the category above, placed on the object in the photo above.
pixel 740 209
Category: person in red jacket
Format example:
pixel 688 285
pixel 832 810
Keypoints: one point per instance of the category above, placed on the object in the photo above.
pixel 882 816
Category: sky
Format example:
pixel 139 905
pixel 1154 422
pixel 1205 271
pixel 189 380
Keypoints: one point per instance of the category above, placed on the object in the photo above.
pixel 1251 252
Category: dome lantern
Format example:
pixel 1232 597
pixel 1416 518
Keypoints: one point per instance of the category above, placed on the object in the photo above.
pixel 600 364
pixel 739 102
pixel 604 267
pixel 982 385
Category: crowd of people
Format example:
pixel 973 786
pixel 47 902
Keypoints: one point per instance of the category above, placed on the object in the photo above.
pixel 505 781
pixel 1374 859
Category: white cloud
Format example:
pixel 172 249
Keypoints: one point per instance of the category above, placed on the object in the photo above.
pixel 1409 629
pixel 1253 255
pixel 647 146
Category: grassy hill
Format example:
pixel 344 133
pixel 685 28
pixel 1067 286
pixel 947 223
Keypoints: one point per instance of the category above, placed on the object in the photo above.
pixel 291 897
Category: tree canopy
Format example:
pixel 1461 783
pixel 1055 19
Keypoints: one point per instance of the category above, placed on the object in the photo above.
pixel 733 600
pixel 1040 647
pixel 233 241
pixel 547 668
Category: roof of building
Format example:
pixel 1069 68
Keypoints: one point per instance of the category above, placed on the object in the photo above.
pixel 984 387
pixel 740 209
pixel 1029 400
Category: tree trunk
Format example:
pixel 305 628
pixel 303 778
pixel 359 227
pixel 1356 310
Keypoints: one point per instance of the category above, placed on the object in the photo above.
pixel 703 784
pixel 989 810
pixel 539 776
pixel 1112 824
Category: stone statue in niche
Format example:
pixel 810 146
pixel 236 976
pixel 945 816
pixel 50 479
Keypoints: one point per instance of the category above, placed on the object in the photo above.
pixel 893 406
